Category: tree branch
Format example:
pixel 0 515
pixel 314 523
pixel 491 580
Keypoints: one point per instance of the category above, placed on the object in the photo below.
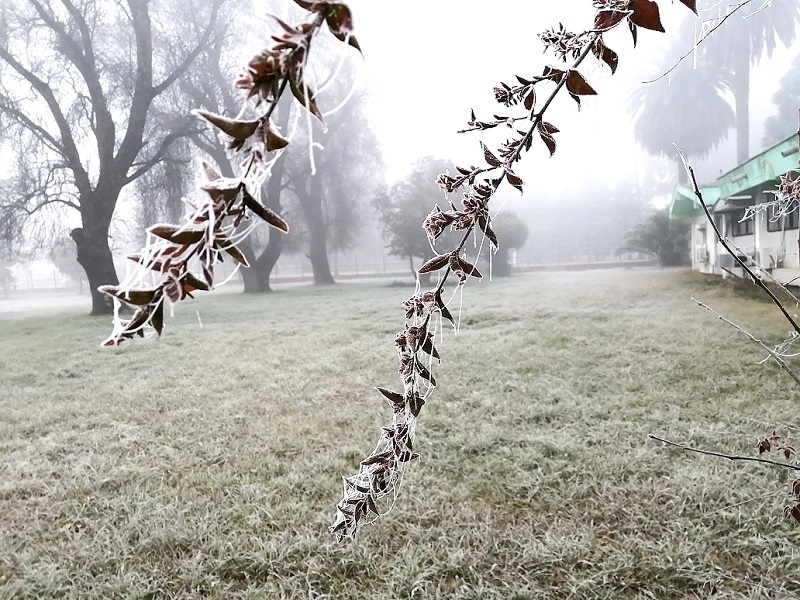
pixel 71 153
pixel 163 147
pixel 700 41
pixel 81 54
pixel 732 457
pixel 189 58
pixel 143 84
pixel 28 123
pixel 778 359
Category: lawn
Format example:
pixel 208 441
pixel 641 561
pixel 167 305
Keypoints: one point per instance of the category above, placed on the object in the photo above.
pixel 208 464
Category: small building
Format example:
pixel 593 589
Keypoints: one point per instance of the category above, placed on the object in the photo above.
pixel 771 243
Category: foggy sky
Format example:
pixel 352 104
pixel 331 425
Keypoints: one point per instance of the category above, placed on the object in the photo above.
pixel 428 63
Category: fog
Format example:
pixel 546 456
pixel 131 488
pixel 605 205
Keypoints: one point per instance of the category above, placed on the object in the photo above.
pixel 423 88
pixel 426 65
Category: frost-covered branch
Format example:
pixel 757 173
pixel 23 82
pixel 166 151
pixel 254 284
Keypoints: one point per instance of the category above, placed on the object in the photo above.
pixel 381 471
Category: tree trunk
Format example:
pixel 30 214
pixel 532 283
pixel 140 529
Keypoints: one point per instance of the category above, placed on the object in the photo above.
pixel 94 256
pixel 311 203
pixel 256 278
pixel 501 267
pixel 318 254
pixel 252 279
pixel 741 95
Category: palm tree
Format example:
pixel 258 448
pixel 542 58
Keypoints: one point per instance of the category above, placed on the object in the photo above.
pixel 742 41
pixel 787 102
pixel 686 108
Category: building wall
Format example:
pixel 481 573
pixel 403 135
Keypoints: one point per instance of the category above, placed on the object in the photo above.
pixel 775 251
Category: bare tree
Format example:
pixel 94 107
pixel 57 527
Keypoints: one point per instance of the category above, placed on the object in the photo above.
pixel 80 81
pixel 332 194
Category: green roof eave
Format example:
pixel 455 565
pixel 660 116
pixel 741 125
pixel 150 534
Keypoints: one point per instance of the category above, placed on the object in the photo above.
pixel 762 168
pixel 685 204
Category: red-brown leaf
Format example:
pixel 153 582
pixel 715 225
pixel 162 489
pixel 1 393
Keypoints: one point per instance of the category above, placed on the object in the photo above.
pixel 491 159
pixel 210 172
pixel 485 224
pixel 577 85
pixel 549 142
pixel 155 265
pixel 517 182
pixel 135 297
pixel 428 347
pixel 443 309
pixel 608 19
pixel 306 101
pixel 176 234
pixel 606 54
pixel 371 504
pixel 393 397
pixel 157 320
pixel 425 373
pixel 224 188
pixel 238 130
pixel 793 511
pixel 468 268
pixel 193 282
pixel 339 18
pixel 384 456
pixel 434 264
pixel 691 4
pixel 272 141
pixel 351 40
pixel 547 128
pixel 265 213
pixel 646 14
pixel 553 74
pixel 530 100
pixel 224 243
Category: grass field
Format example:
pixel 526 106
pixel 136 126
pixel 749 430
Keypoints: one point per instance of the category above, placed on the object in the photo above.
pixel 207 465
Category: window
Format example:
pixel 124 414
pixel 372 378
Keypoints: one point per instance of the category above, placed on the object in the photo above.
pixel 773 224
pixel 792 219
pixel 789 221
pixel 701 236
pixel 740 227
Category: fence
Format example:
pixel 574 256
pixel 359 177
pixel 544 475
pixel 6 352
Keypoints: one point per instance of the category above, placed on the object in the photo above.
pixel 346 265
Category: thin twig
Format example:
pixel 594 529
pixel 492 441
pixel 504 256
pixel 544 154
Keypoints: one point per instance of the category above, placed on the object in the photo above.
pixel 742 503
pixel 698 42
pixel 778 359
pixel 767 274
pixel 733 457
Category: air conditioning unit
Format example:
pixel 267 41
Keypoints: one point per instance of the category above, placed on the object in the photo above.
pixel 726 261
pixel 701 255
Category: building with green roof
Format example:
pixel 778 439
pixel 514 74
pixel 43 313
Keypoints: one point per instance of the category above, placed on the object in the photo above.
pixel 739 204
